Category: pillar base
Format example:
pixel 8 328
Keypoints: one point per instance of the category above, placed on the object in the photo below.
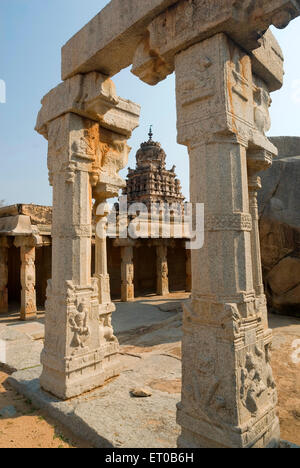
pixel 127 295
pixel 25 317
pixel 75 379
pixel 196 433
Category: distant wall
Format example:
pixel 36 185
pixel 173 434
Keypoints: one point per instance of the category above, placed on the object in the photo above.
pixel 145 274
pixel 114 269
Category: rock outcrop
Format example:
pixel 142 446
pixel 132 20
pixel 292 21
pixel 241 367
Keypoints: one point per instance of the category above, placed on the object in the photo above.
pixel 279 206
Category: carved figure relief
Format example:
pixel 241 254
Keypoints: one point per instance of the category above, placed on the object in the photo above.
pixel 107 329
pixel 269 372
pixel 252 384
pixel 262 103
pixel 79 326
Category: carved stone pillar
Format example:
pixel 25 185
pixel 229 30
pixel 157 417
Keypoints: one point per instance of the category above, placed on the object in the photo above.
pixel 106 307
pixel 228 399
pixel 162 270
pixel 188 271
pixel 3 275
pixel 101 272
pixel 81 351
pixel 28 277
pixel 257 161
pixel 127 274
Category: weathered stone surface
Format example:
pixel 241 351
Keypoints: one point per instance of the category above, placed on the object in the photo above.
pixel 127 274
pixel 15 225
pixel 108 42
pixel 110 416
pixel 280 227
pixel 38 214
pixel 162 270
pixel 190 22
pixel 140 393
pixel 87 128
pixel 21 351
pixel 92 96
pixel 226 338
pixel 223 97
pixel 28 277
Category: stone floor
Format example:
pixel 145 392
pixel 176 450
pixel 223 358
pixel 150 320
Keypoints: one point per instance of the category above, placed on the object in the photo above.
pixel 149 331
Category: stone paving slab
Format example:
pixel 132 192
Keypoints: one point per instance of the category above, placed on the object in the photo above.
pixel 110 416
pixel 18 350
pixel 133 315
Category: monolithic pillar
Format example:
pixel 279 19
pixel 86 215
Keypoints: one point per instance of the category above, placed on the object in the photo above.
pixel 106 307
pixel 257 162
pixel 188 270
pixel 81 351
pixel 127 274
pixel 101 272
pixel 162 270
pixel 72 357
pixel 28 277
pixel 3 275
pixel 227 398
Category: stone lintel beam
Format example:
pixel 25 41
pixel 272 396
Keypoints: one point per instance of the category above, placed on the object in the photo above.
pixel 188 23
pixel 108 42
pixel 92 96
pixel 125 243
pixel 15 226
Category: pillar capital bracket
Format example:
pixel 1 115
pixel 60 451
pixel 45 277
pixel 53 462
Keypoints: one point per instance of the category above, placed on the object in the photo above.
pixel 187 23
pixel 92 96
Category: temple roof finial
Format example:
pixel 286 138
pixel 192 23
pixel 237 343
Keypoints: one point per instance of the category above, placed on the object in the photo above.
pixel 150 134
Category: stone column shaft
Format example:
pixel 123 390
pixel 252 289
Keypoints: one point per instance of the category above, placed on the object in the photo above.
pixel 162 270
pixel 101 272
pixel 28 279
pixel 257 161
pixel 127 274
pixel 3 276
pixel 80 350
pixel 227 398
pixel 87 127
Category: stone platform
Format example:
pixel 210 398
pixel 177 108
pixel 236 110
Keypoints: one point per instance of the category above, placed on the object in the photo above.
pixel 110 416
pixel 149 331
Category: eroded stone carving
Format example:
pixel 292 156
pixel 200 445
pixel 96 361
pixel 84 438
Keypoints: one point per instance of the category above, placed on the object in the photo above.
pixel 79 326
pixel 87 128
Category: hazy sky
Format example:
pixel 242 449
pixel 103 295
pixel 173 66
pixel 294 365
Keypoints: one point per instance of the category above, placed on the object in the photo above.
pixel 32 33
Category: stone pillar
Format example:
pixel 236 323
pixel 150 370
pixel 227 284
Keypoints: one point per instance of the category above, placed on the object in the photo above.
pixel 127 274
pixel 79 355
pixel 228 399
pixel 188 270
pixel 162 270
pixel 28 277
pixel 257 161
pixel 106 307
pixel 3 275
pixel 101 272
pixel 81 351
